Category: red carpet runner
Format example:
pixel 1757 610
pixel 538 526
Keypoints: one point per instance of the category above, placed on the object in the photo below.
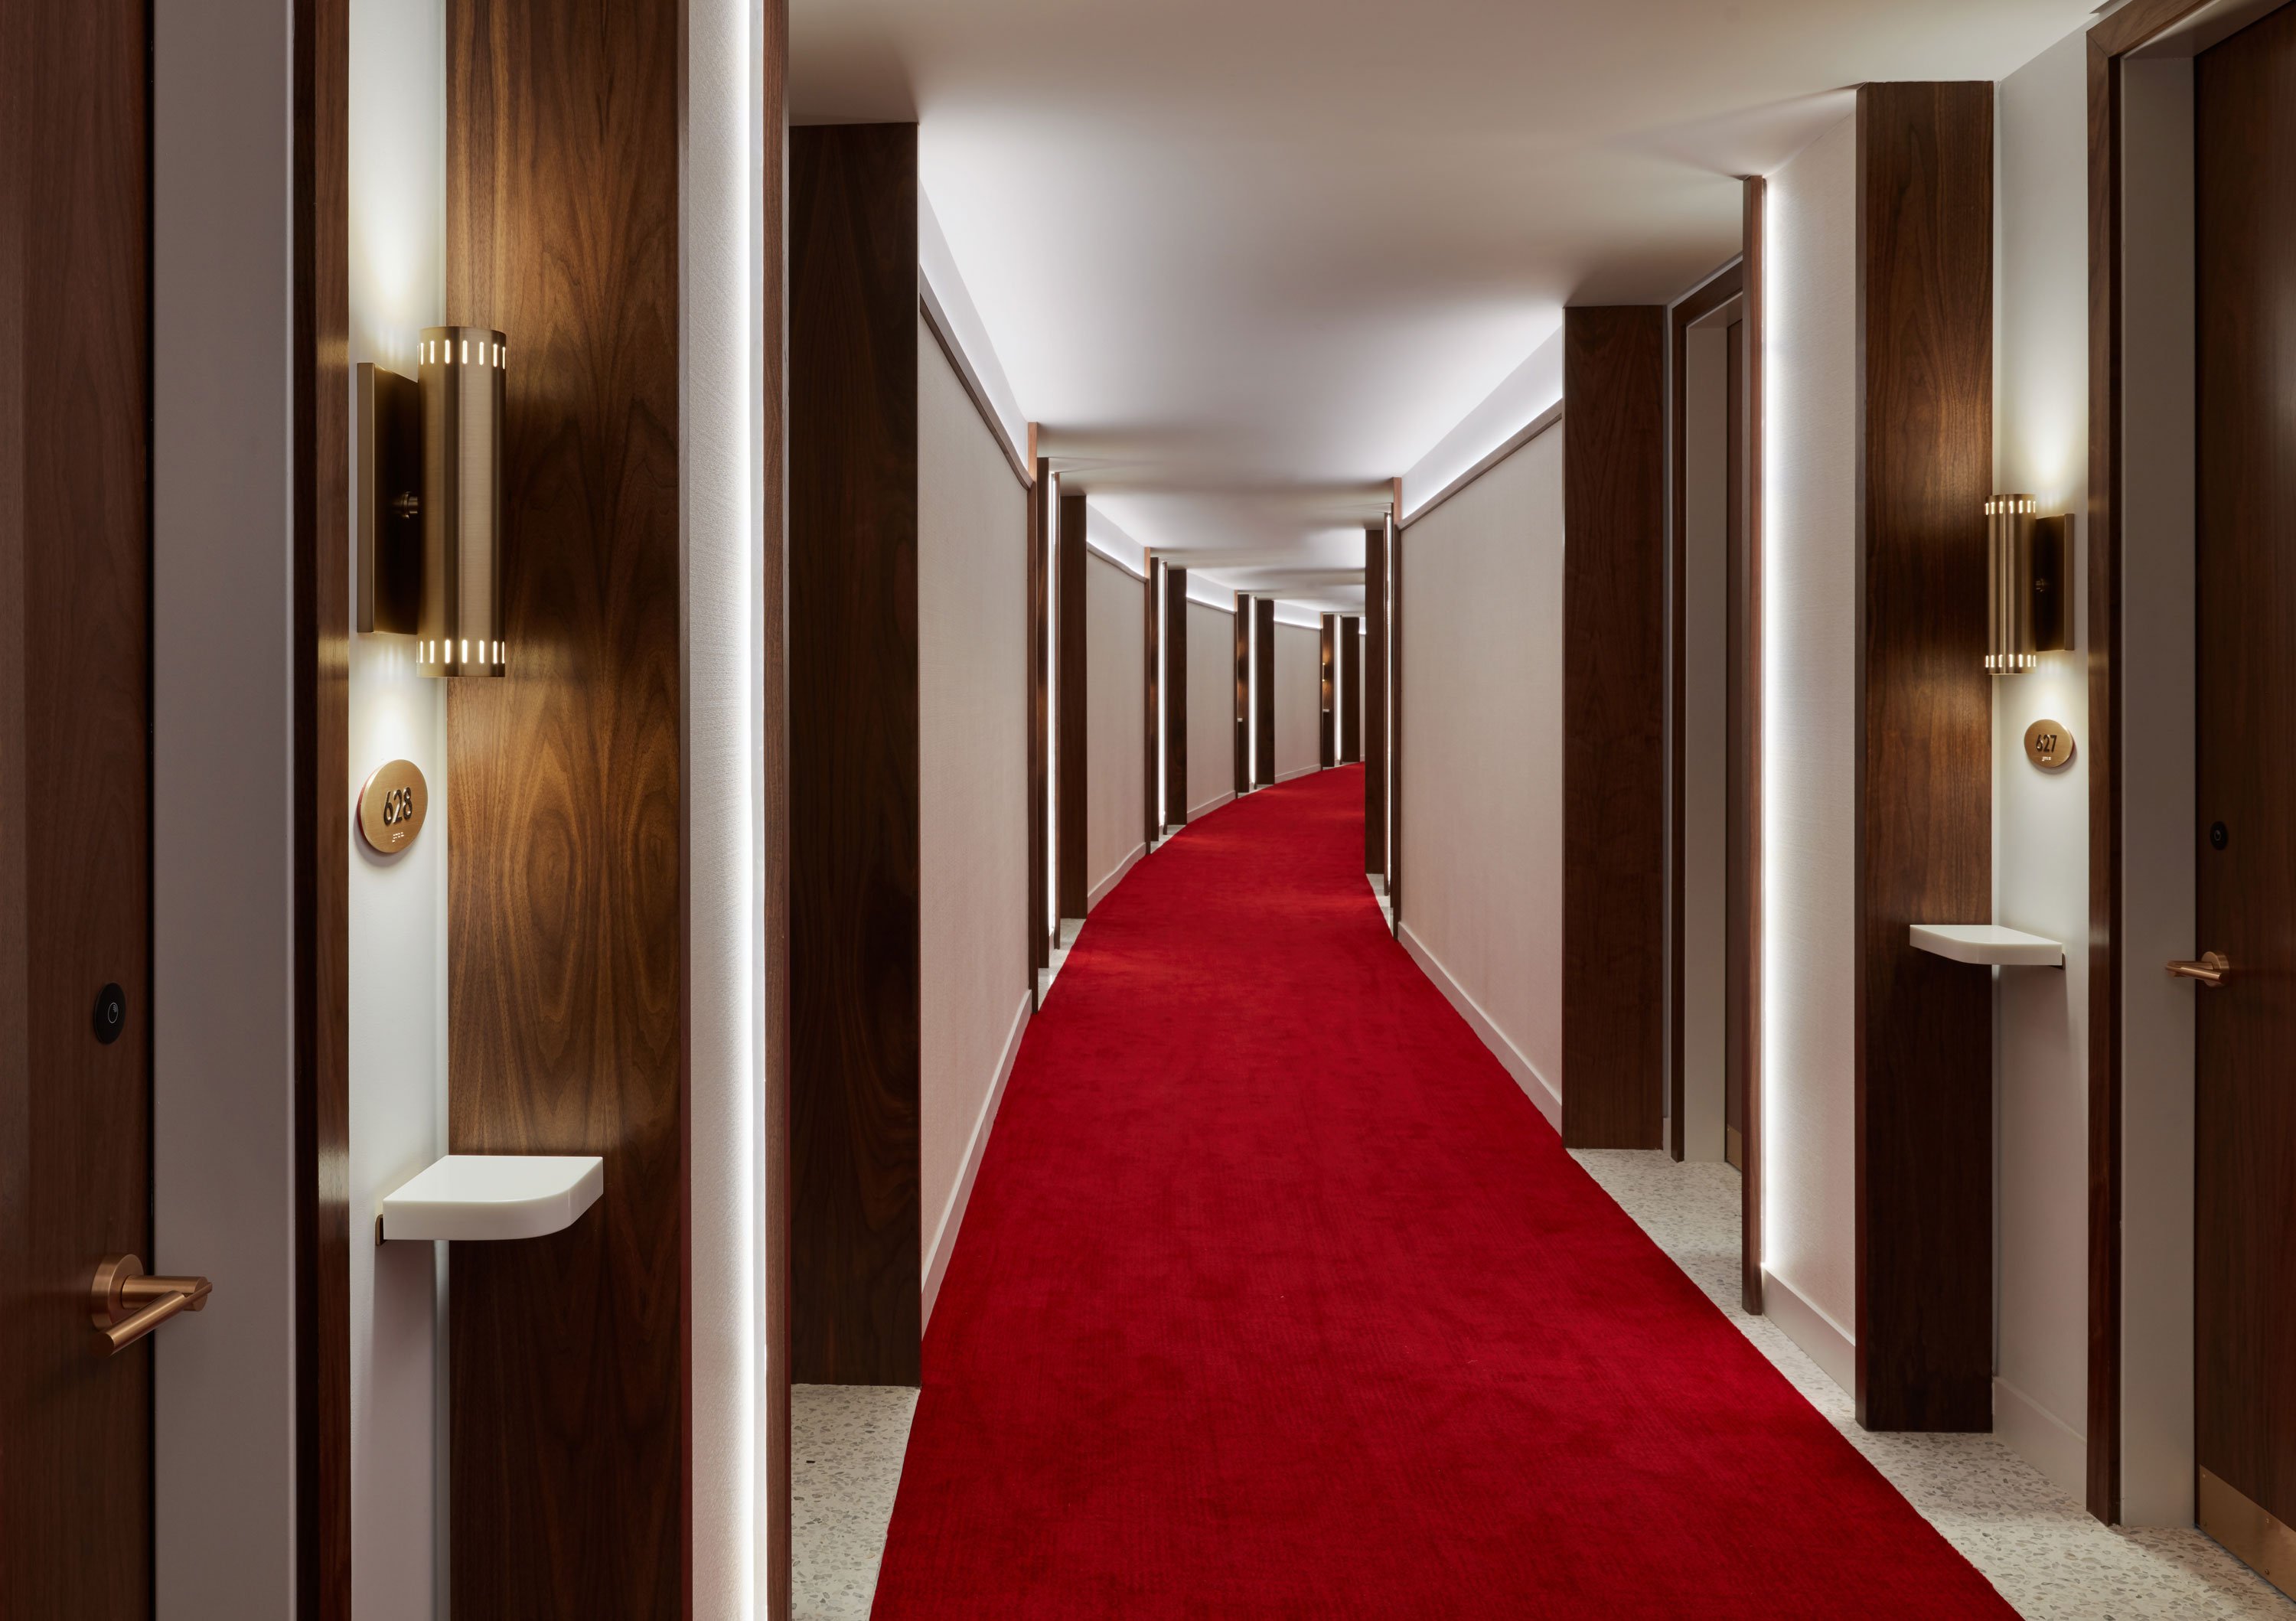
pixel 1277 1298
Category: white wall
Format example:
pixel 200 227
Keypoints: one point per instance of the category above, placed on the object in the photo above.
pixel 973 605
pixel 2040 847
pixel 1211 707
pixel 1115 702
pixel 223 851
pixel 1482 697
pixel 398 963
pixel 1299 702
pixel 1809 749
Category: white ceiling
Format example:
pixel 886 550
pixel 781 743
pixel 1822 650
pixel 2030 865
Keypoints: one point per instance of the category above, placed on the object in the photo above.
pixel 1247 260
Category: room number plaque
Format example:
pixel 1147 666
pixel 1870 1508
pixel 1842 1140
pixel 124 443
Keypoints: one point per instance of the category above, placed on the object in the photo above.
pixel 2049 745
pixel 391 806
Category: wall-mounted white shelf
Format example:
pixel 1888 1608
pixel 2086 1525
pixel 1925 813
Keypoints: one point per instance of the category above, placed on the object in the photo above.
pixel 1988 943
pixel 495 1196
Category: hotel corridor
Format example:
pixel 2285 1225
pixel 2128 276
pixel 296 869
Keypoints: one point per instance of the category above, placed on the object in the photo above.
pixel 1276 1296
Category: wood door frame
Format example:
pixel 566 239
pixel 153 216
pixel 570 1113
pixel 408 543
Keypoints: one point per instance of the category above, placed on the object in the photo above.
pixel 1152 689
pixel 1242 693
pixel 1693 307
pixel 1755 290
pixel 2110 41
pixel 1040 496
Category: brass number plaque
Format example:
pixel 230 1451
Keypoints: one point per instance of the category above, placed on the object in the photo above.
pixel 2049 745
pixel 391 807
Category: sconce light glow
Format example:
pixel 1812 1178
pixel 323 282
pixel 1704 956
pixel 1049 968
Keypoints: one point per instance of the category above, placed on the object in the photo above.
pixel 2025 595
pixel 461 373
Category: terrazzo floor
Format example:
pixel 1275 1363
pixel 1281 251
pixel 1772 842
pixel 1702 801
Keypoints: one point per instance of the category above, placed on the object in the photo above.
pixel 846 1444
pixel 2038 1546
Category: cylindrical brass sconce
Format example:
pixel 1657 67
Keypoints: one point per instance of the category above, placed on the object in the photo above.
pixel 459 630
pixel 2026 609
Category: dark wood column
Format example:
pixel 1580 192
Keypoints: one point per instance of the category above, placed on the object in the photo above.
pixel 1924 1026
pixel 1351 698
pixel 1374 689
pixel 1263 691
pixel 1071 886
pixel 1613 706
pixel 1395 740
pixel 1327 685
pixel 1150 731
pixel 1243 694
pixel 563 896
pixel 1040 723
pixel 1176 696
pixel 854 792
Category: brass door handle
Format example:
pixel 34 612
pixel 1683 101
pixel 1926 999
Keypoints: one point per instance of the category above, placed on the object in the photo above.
pixel 125 1305
pixel 2212 970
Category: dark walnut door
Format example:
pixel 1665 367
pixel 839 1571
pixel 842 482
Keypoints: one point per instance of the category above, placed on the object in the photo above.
pixel 2245 823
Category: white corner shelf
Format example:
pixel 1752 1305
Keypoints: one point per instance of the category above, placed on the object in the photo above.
pixel 1988 943
pixel 495 1196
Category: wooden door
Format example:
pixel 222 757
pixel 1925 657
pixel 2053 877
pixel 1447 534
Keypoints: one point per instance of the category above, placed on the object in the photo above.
pixel 2245 1056
pixel 75 772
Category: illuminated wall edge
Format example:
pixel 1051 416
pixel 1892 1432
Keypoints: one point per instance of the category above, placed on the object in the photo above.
pixel 722 476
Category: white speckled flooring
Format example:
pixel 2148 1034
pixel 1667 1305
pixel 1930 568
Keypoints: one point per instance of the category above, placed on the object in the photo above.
pixel 846 1445
pixel 2038 1546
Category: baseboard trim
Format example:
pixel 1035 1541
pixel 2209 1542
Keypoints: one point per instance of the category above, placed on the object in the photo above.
pixel 2041 1439
pixel 1286 776
pixel 951 1217
pixel 1826 1342
pixel 1100 890
pixel 1210 805
pixel 1542 1093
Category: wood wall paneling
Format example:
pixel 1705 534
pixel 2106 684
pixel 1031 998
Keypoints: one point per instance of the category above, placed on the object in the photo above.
pixel 1925 1034
pixel 1351 685
pixel 76 1512
pixel 322 685
pixel 1040 722
pixel 855 807
pixel 1243 694
pixel 1374 706
pixel 1073 888
pixel 565 1003
pixel 1395 727
pixel 1176 697
pixel 1613 772
pixel 1263 691
pixel 1747 756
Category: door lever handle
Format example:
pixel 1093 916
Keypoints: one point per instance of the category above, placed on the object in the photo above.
pixel 125 1305
pixel 2212 970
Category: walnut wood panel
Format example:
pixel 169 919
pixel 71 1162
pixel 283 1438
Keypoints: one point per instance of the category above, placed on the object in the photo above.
pixel 565 1001
pixel 322 814
pixel 1351 688
pixel 1176 697
pixel 1395 739
pixel 856 1268
pixel 1924 1041
pixel 1738 853
pixel 2244 1113
pixel 1040 724
pixel 1150 712
pixel 1746 756
pixel 1374 705
pixel 1073 889
pixel 1243 694
pixel 1700 301
pixel 1263 691
pixel 74 787
pixel 1327 680
pixel 1614 800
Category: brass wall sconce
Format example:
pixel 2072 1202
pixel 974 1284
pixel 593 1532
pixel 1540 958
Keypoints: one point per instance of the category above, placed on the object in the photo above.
pixel 2027 613
pixel 430 502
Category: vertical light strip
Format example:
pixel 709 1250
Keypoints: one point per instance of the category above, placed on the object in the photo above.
pixel 721 374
